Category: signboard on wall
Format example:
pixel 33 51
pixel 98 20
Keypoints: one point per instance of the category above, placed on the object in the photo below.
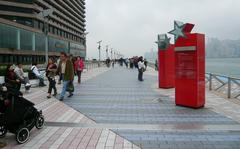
pixel 77 50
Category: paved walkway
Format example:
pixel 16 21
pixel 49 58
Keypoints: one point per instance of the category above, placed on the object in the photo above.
pixel 67 136
pixel 138 114
pixel 148 116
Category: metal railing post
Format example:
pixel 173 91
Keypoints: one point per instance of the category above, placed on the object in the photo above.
pixel 210 81
pixel 229 87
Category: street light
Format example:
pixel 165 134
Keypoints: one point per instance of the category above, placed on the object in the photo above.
pixel 111 53
pixel 99 52
pixel 107 51
pixel 45 15
pixel 85 42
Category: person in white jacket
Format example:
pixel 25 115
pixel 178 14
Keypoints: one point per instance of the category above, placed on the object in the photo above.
pixel 141 68
pixel 38 75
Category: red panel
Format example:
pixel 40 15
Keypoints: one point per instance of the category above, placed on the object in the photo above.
pixel 166 59
pixel 190 71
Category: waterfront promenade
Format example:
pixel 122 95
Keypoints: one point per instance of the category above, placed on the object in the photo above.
pixel 111 109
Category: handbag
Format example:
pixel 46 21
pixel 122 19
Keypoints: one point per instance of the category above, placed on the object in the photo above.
pixel 70 87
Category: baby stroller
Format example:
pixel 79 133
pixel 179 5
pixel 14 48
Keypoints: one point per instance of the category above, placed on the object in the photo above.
pixel 18 115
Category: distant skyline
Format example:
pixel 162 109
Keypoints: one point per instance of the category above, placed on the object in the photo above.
pixel 131 26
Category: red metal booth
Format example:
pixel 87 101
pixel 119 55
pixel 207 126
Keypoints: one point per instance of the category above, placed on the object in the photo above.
pixel 190 69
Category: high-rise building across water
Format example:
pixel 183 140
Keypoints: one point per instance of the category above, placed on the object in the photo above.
pixel 25 32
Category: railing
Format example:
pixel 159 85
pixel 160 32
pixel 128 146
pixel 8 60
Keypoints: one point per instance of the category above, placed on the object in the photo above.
pixel 92 64
pixel 227 86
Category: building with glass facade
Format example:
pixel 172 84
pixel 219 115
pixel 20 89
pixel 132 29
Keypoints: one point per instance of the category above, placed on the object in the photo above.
pixel 23 32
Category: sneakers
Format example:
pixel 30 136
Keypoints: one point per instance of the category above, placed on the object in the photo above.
pixel 28 85
pixel 70 95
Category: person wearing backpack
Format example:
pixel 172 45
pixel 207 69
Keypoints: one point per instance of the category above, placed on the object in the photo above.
pixel 78 67
pixel 38 75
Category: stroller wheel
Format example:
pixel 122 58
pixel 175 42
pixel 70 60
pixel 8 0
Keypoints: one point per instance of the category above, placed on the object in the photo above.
pixel 3 131
pixel 22 135
pixel 40 122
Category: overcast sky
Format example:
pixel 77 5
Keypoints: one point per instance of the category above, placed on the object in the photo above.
pixel 131 26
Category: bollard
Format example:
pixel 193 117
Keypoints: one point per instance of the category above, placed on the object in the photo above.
pixel 210 81
pixel 229 87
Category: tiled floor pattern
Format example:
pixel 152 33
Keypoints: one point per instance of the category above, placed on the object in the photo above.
pixel 116 98
pixel 67 137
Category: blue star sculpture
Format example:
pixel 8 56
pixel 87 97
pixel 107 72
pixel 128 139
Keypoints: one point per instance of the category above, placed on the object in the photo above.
pixel 178 30
pixel 163 41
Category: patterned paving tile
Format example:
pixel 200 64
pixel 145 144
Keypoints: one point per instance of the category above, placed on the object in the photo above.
pixel 116 97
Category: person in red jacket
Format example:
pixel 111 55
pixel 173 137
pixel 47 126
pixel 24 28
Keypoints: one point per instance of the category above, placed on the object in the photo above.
pixel 78 67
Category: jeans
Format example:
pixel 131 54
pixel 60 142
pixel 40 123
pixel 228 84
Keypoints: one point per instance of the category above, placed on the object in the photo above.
pixel 64 88
pixel 52 85
pixel 79 74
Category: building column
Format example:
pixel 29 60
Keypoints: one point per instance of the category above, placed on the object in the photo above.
pixel 46 49
pixel 34 42
pixel 18 40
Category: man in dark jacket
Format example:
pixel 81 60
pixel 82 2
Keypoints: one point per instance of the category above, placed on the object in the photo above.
pixel 66 69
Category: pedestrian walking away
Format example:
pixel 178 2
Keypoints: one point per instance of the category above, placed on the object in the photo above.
pixel 66 69
pixel 78 67
pixel 51 74
pixel 141 68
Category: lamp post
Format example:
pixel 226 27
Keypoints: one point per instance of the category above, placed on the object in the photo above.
pixel 99 52
pixel 45 15
pixel 107 51
pixel 111 53
pixel 85 42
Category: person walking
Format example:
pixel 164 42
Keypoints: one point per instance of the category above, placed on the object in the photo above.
pixel 156 65
pixel 141 68
pixel 66 69
pixel 51 74
pixel 38 75
pixel 78 67
pixel 145 63
pixel 20 75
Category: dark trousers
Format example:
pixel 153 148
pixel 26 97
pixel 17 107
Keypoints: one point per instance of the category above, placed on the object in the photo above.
pixel 79 74
pixel 140 75
pixel 60 78
pixel 52 85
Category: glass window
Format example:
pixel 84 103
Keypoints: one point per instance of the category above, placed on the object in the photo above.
pixel 26 40
pixel 56 45
pixel 8 37
pixel 40 42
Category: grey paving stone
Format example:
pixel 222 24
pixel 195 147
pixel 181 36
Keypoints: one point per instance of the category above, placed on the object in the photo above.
pixel 117 97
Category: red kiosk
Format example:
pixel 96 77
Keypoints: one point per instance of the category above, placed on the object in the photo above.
pixel 166 62
pixel 190 66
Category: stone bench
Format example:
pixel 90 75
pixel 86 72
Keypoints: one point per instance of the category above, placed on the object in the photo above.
pixel 2 79
pixel 33 82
